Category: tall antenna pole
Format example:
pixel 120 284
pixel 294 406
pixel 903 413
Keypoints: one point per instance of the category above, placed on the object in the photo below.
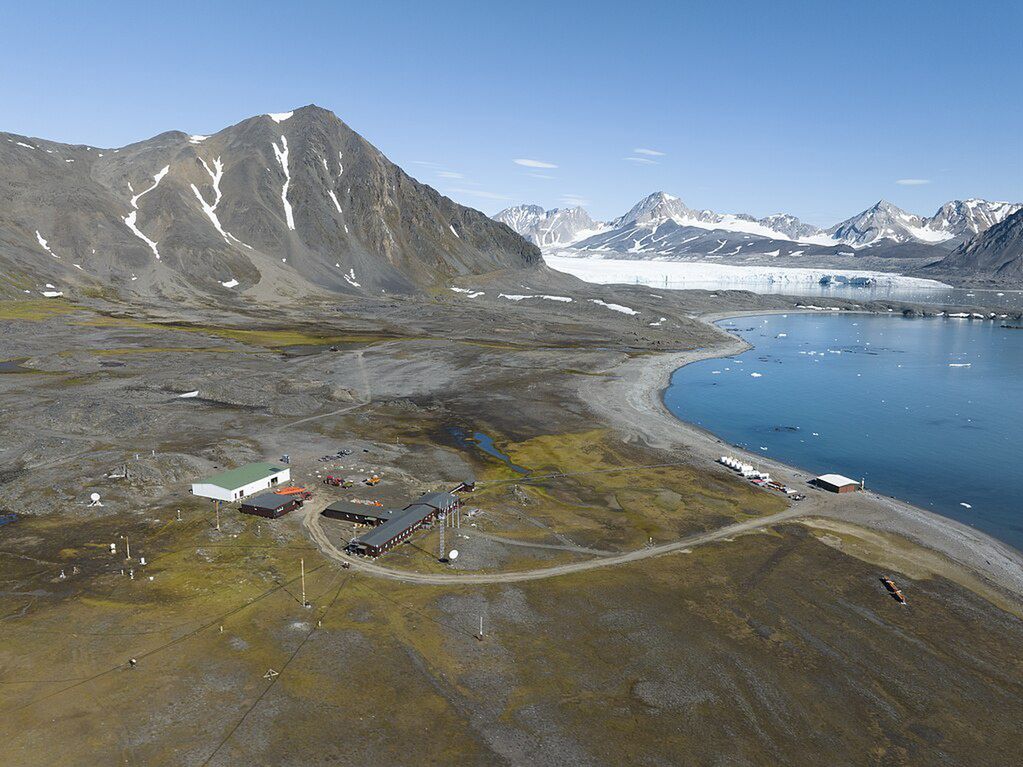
pixel 217 505
pixel 302 564
pixel 443 521
pixel 481 627
pixel 127 548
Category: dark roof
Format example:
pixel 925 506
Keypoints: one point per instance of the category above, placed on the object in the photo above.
pixel 396 525
pixel 359 508
pixel 439 501
pixel 271 501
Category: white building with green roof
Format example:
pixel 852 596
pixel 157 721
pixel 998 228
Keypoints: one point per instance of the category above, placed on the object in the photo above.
pixel 242 482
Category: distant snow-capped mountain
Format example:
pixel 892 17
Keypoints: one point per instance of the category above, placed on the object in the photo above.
pixel 884 221
pixel 559 226
pixel 956 219
pixel 662 225
pixel 660 207
pixel 966 218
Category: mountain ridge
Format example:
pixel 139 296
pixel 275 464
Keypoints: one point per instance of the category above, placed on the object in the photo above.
pixel 276 204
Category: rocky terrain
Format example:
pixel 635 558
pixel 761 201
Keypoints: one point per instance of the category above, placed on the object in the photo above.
pixel 994 257
pixel 273 207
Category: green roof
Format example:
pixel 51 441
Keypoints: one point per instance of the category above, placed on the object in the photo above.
pixel 244 475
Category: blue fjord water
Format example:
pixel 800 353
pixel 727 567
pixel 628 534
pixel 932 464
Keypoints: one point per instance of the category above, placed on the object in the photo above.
pixel 926 410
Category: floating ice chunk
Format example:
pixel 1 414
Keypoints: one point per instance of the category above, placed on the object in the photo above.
pixel 960 364
pixel 965 505
pixel 756 375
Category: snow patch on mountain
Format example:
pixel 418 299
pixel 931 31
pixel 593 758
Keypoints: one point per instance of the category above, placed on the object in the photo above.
pixel 281 153
pixel 131 219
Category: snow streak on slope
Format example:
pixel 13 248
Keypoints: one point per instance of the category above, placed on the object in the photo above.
pixel 279 117
pixel 132 217
pixel 211 210
pixel 333 198
pixel 44 245
pixel 282 157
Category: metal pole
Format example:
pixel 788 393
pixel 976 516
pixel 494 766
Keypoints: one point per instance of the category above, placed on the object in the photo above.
pixel 302 563
pixel 127 548
pixel 443 521
pixel 217 504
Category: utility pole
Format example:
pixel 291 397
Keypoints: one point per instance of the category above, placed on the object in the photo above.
pixel 217 506
pixel 127 548
pixel 302 564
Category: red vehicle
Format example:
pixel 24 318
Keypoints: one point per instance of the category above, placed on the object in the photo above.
pixel 330 479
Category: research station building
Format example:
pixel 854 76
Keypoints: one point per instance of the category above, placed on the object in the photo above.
pixel 836 483
pixel 398 526
pixel 271 505
pixel 242 482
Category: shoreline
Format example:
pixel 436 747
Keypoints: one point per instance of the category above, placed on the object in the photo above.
pixel 631 400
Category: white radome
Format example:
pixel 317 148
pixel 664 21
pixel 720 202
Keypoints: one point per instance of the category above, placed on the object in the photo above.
pixel 453 555
pixel 94 497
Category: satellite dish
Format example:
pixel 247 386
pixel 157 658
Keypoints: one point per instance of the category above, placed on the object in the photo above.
pixel 95 500
pixel 452 555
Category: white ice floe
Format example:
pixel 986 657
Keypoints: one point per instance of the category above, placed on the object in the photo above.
pixel 279 117
pixel 960 364
pixel 614 307
pixel 211 209
pixel 230 283
pixel 333 197
pixel 756 375
pixel 44 244
pixel 513 297
pixel 131 218
pixel 452 228
pixel 189 394
pixel 282 157
pixel 965 505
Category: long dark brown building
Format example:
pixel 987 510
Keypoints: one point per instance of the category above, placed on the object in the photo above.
pixel 271 505
pixel 360 514
pixel 403 524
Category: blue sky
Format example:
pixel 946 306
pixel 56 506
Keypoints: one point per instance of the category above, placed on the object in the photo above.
pixel 812 108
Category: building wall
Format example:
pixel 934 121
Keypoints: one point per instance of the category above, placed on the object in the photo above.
pixel 206 490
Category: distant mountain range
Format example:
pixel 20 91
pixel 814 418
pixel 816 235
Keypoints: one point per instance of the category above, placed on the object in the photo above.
pixel 994 255
pixel 662 225
pixel 278 205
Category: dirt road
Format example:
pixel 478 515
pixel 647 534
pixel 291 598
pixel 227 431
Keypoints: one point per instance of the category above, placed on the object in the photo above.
pixel 311 521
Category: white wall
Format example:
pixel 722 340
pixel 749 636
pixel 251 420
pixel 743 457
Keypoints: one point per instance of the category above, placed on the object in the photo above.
pixel 206 490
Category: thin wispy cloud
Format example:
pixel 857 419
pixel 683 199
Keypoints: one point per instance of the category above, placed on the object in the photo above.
pixel 648 152
pixel 481 193
pixel 534 163
pixel 640 160
pixel 540 175
pixel 449 174
pixel 913 181
pixel 574 200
